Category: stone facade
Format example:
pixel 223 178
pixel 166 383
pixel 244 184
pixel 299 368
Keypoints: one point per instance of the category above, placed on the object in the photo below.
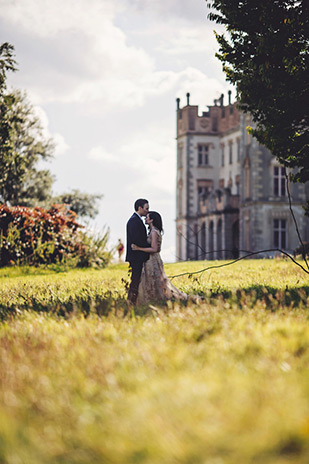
pixel 231 192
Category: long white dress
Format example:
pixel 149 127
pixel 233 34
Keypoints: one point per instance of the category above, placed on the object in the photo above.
pixel 154 285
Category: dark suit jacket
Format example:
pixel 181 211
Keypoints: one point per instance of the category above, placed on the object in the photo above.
pixel 136 233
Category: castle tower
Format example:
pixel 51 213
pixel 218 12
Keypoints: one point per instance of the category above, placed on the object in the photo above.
pixel 200 144
pixel 232 195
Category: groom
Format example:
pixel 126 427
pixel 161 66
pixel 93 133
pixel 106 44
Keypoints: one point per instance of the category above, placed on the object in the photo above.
pixel 136 233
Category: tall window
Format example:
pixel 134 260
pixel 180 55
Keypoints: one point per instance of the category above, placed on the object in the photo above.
pixel 230 153
pixel 203 155
pixel 202 190
pixel 279 181
pixel 280 233
pixel 222 155
pixel 238 150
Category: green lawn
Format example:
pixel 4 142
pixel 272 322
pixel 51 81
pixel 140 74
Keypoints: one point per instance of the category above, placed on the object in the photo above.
pixel 221 382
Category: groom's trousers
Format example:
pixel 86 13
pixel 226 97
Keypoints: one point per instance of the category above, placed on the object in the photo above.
pixel 136 272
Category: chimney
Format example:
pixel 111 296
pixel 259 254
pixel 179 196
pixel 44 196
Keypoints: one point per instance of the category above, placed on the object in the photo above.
pixel 188 99
pixel 178 103
pixel 221 99
pixel 229 93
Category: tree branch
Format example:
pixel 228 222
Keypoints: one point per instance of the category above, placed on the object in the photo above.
pixel 239 259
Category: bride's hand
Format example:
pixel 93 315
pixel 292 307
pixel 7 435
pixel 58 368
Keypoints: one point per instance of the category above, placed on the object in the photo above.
pixel 134 247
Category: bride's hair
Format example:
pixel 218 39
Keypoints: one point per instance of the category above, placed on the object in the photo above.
pixel 156 220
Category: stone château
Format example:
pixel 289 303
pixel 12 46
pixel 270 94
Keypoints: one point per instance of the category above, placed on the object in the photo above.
pixel 232 193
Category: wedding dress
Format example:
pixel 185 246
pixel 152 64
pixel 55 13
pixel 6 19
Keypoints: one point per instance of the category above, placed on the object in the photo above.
pixel 154 284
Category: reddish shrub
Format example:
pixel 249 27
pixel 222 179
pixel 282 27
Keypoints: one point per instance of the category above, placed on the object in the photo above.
pixel 36 235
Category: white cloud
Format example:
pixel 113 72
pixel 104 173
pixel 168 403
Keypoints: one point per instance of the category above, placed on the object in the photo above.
pixel 61 146
pixel 187 40
pixel 100 154
pixel 131 93
pixel 202 89
pixel 46 19
pixel 167 9
pixel 110 66
pixel 106 70
pixel 149 156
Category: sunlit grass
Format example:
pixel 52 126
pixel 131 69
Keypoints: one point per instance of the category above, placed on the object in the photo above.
pixel 189 386
pixel 221 382
pixel 275 282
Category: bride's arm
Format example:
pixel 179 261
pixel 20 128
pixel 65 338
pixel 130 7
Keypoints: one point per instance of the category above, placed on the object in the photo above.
pixel 155 245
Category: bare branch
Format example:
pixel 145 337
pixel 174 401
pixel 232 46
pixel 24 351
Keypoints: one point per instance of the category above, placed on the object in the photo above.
pixel 239 259
pixel 294 219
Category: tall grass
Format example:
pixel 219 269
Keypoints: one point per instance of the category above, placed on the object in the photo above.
pixel 225 381
pixel 272 282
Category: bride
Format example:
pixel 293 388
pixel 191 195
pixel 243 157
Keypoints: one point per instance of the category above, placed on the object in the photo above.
pixel 154 284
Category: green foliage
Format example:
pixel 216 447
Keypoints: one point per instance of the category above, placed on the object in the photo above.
pixel 21 183
pixel 94 252
pixel 83 204
pixel 37 236
pixel 22 146
pixel 302 250
pixel 199 383
pixel 265 54
pixel 7 63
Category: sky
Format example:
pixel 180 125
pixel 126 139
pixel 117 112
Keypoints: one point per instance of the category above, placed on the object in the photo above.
pixel 103 77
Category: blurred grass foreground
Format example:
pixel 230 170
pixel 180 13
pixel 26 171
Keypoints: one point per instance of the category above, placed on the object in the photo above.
pixel 221 382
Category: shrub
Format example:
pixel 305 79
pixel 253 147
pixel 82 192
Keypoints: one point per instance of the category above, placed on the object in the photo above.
pixel 302 250
pixel 93 251
pixel 37 236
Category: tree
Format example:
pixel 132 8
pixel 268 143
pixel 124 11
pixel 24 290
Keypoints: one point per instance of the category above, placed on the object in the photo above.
pixel 7 63
pixel 83 204
pixel 21 182
pixel 266 56
pixel 22 146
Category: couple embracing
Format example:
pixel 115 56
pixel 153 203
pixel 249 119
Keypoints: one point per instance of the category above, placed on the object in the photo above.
pixel 149 283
